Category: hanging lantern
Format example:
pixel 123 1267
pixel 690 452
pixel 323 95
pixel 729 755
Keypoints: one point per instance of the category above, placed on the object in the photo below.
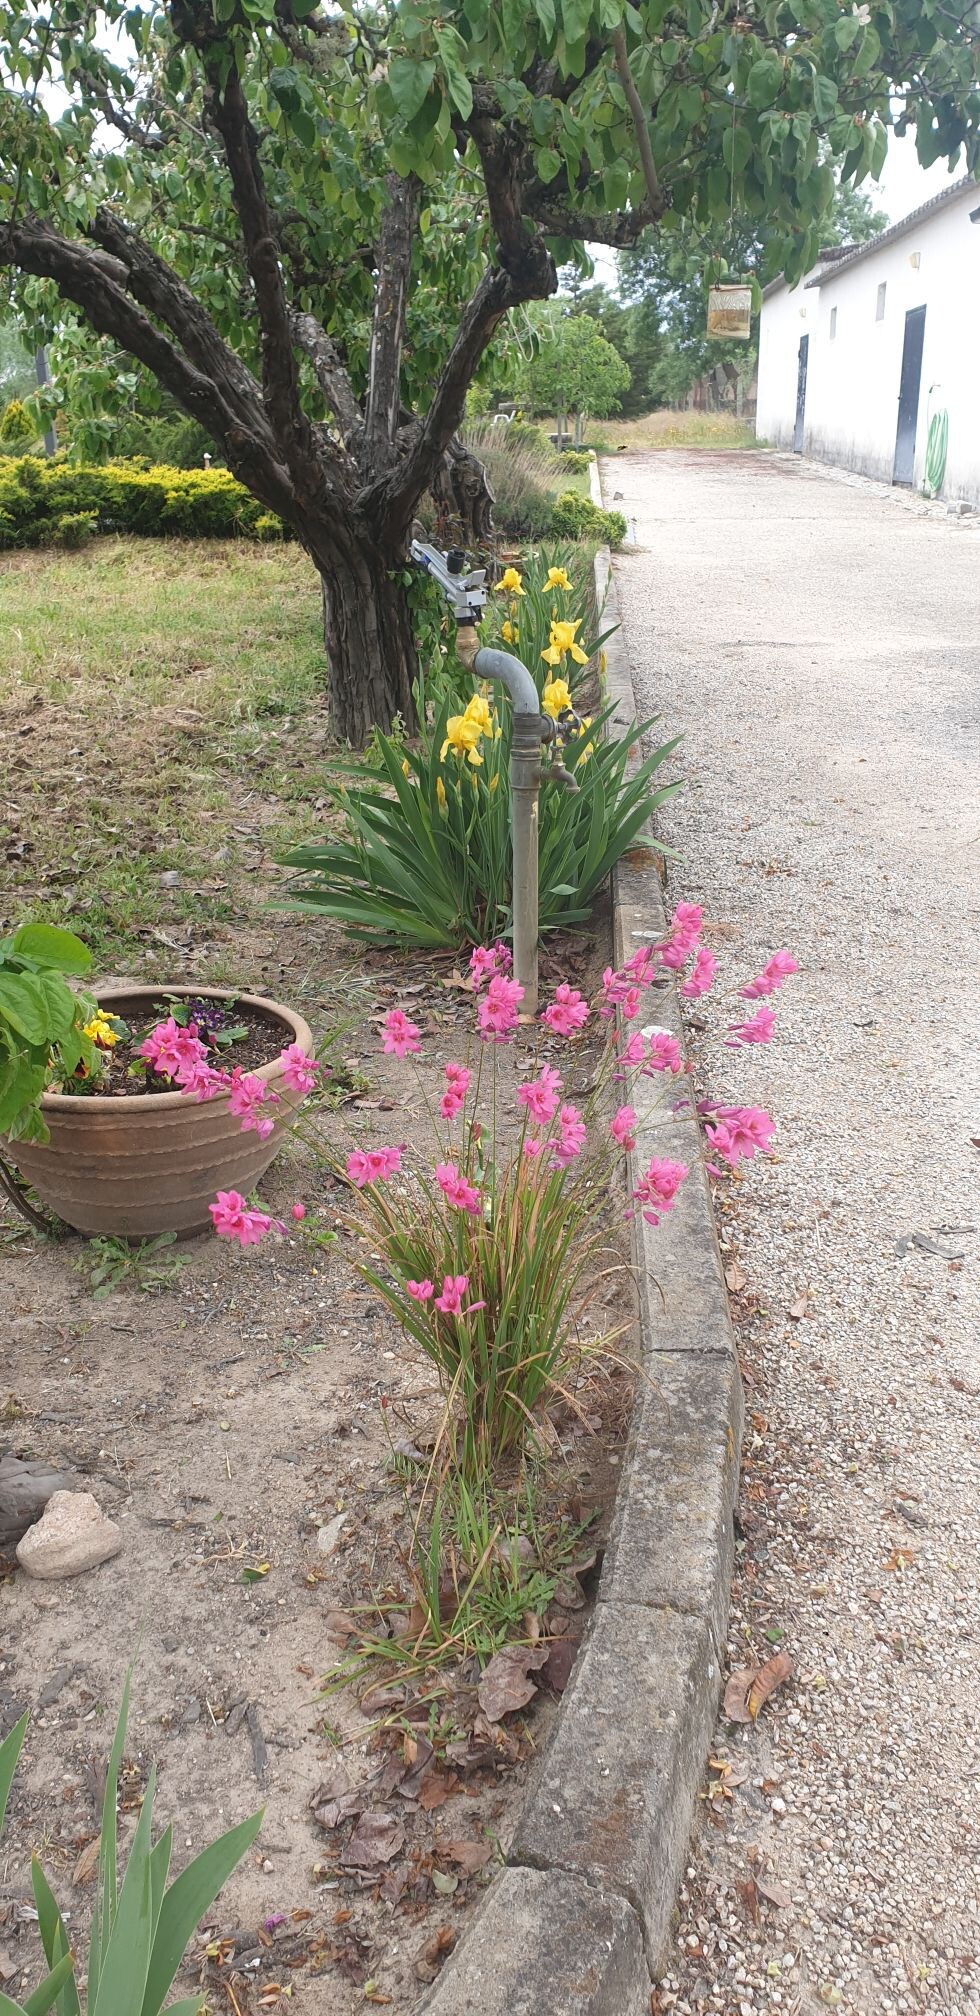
pixel 730 311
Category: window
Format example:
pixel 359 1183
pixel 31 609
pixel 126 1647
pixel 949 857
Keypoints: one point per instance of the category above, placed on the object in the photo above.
pixel 833 323
pixel 880 309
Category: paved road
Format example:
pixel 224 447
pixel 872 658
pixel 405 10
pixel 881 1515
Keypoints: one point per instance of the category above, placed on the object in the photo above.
pixel 818 640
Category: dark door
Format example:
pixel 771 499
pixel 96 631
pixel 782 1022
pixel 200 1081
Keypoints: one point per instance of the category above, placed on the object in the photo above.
pixel 908 396
pixel 800 395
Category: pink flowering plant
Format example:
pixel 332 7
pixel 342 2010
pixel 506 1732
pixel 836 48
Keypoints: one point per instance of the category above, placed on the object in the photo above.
pixel 491 1249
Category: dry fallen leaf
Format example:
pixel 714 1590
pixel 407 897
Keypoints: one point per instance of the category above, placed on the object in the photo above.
pixel 899 1559
pixel 748 1891
pixel 735 1280
pixel 87 1863
pixel 749 1687
pixel 376 1840
pixel 467 1855
pixel 799 1308
pixel 505 1685
pixel 776 1893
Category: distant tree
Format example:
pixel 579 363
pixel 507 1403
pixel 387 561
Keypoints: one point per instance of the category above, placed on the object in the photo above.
pixel 16 364
pixel 673 271
pixel 633 328
pixel 18 432
pixel 574 370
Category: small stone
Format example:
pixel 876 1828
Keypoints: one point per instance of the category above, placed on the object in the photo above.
pixel 328 1536
pixel 71 1536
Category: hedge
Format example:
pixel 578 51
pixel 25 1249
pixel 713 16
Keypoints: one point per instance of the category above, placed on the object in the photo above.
pixel 54 502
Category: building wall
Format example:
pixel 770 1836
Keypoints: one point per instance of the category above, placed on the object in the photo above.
pixel 853 375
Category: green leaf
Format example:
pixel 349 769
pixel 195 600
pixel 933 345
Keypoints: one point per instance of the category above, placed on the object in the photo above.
pixel 763 82
pixel 303 124
pixel 49 1991
pixel 185 1904
pixel 126 1954
pixel 50 946
pixel 547 163
pixel 10 1750
pixel 23 1005
pixel 824 97
pixel 54 1937
pixel 409 83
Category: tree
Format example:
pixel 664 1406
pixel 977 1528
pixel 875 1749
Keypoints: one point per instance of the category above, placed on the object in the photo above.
pixel 632 327
pixel 308 226
pixel 573 370
pixel 674 268
pixel 16 366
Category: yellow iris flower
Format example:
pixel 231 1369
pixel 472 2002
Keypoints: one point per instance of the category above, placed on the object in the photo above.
pixel 441 794
pixel 556 698
pixel 510 633
pixel 101 1031
pixel 480 712
pixel 511 582
pixel 563 639
pixel 556 577
pixel 462 736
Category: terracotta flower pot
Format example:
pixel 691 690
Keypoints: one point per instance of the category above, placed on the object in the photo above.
pixel 132 1166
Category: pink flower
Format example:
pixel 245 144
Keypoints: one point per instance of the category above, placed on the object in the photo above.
pixel 634 1051
pixel 247 1093
pixel 457 1086
pixel 571 1140
pixel 740 1133
pixel 540 1095
pixel 615 990
pixel 567 1012
pixel 421 1291
pixel 454 1287
pixel 688 918
pixel 456 1190
pixel 298 1070
pixel 485 960
pixel 640 966
pixel 497 1015
pixel 758 1029
pixel 775 971
pixel 685 930
pixel 232 1218
pixel 701 976
pixel 664 1053
pixel 373 1167
pixel 200 1081
pixel 298 1211
pixel 172 1050
pixel 657 1189
pixel 399 1036
pixel 621 1127
pixel 532 1147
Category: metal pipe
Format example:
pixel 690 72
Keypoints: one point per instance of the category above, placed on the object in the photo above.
pixel 525 777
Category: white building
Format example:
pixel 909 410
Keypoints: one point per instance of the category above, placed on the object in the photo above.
pixel 873 361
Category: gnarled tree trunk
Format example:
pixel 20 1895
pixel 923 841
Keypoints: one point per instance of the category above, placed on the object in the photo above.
pixel 367 629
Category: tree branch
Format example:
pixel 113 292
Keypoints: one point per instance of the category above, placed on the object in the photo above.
pixel 280 376
pixel 331 375
pixel 96 282
pixel 157 287
pixel 655 196
pixel 398 220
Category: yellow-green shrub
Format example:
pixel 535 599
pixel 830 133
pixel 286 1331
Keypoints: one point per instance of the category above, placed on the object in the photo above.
pixel 38 495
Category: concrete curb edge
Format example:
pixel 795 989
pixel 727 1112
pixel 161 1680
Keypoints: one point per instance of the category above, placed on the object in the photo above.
pixel 578 1920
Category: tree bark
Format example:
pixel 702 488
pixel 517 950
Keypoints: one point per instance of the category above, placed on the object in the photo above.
pixel 367 630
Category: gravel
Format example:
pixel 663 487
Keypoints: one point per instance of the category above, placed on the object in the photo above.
pixel 817 640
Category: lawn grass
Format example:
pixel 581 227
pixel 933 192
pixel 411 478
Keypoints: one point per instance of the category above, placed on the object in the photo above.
pixel 665 429
pixel 160 717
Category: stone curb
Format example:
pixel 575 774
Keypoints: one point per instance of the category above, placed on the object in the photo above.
pixel 577 1922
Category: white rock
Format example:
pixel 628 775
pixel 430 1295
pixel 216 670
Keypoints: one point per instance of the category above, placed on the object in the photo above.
pixel 71 1536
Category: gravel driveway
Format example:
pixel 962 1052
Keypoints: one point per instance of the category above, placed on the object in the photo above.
pixel 817 638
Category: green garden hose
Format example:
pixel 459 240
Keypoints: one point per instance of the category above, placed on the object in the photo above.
pixel 936 447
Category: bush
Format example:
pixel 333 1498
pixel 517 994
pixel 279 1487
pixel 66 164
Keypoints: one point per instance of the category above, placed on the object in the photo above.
pixel 17 430
pixel 74 529
pixel 37 497
pixel 425 857
pixel 575 461
pixel 522 470
pixel 577 517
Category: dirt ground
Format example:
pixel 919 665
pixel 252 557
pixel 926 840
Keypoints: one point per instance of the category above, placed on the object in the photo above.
pixel 236 1424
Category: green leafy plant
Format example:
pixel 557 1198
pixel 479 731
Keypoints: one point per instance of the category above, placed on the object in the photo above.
pixel 576 517
pixel 74 529
pixel 42 1023
pixel 114 1263
pixel 140 1929
pixel 575 461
